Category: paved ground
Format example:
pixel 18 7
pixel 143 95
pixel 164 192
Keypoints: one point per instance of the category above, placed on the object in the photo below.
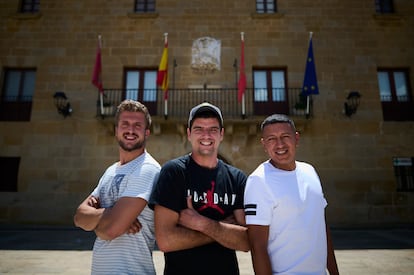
pixel 63 250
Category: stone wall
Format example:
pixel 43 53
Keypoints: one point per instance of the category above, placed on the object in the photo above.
pixel 62 159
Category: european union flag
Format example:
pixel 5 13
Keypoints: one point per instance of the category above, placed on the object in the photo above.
pixel 310 83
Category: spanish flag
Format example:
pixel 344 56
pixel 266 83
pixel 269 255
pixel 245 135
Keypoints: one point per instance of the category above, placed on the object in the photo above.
pixel 162 75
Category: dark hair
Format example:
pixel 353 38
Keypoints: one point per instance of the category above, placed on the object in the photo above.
pixel 277 118
pixel 205 110
pixel 130 105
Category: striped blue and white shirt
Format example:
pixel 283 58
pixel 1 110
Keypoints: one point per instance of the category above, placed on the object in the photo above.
pixel 128 253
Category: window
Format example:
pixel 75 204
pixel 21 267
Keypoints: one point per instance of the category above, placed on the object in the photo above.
pixel 269 94
pixel 9 171
pixel 395 94
pixel 17 94
pixel 142 6
pixel 266 6
pixel 140 84
pixel 30 6
pixel 384 6
pixel 269 81
pixel 403 169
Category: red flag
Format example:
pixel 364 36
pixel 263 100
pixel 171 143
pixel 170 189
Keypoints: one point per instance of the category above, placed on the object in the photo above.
pixel 162 75
pixel 242 80
pixel 97 70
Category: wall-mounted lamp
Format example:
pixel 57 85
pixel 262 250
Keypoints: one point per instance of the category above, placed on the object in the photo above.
pixel 62 104
pixel 352 103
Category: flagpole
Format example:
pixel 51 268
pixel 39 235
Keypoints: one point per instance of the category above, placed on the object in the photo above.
pixel 100 92
pixel 243 100
pixel 165 96
pixel 308 97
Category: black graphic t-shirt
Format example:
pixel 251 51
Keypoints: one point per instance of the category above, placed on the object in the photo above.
pixel 216 194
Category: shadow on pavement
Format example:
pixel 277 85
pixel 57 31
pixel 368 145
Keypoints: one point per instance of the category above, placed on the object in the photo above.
pixel 71 238
pixel 399 238
pixel 45 238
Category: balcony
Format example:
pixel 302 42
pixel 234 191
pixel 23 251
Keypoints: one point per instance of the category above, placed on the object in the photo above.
pixel 180 101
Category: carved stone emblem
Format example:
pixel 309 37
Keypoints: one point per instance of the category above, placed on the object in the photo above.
pixel 206 54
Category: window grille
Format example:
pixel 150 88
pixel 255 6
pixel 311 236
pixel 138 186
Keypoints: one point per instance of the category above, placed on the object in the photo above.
pixel 30 6
pixel 266 6
pixel 143 6
pixel 403 169
pixel 384 6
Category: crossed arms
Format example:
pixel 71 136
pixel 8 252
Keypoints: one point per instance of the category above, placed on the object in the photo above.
pixel 188 229
pixel 110 223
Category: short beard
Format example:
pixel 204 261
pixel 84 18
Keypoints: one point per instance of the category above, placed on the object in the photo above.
pixel 137 146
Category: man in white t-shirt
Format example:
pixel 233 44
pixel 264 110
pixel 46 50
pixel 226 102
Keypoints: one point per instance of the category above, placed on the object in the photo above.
pixel 117 209
pixel 285 208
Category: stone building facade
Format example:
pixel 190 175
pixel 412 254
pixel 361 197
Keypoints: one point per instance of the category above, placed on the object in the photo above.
pixel 61 159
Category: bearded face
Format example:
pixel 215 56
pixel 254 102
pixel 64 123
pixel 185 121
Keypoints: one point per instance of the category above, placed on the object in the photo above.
pixel 131 131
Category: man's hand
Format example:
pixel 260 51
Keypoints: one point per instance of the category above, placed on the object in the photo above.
pixel 190 218
pixel 135 227
pixel 94 202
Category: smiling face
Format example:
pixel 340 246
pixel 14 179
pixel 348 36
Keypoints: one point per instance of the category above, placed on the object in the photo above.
pixel 205 137
pixel 279 141
pixel 131 131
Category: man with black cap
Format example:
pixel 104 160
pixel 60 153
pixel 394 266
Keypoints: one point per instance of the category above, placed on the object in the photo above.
pixel 198 203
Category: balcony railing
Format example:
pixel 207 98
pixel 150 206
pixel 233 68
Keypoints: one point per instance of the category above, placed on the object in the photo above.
pixel 180 101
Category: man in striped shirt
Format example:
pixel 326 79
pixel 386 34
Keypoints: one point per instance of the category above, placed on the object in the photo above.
pixel 117 209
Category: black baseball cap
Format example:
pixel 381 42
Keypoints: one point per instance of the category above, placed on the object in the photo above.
pixel 205 109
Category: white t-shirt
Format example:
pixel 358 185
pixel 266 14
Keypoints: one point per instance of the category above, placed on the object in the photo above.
pixel 128 253
pixel 292 204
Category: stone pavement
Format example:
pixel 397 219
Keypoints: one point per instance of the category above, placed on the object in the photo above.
pixel 66 250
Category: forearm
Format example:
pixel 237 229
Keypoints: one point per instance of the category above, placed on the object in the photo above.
pixel 259 238
pixel 331 260
pixel 229 235
pixel 87 217
pixel 261 262
pixel 121 218
pixel 102 234
pixel 103 229
pixel 179 238
pixel 109 227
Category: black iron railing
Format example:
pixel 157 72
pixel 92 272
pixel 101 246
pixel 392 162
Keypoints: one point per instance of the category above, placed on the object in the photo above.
pixel 180 101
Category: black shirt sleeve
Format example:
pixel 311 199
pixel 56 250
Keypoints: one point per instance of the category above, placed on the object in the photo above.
pixel 169 189
pixel 238 178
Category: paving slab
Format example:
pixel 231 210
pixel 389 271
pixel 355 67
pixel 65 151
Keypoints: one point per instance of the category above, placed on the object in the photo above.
pixel 67 250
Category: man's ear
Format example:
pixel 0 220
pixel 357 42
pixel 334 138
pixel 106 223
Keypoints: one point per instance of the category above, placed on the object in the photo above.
pixel 188 133
pixel 297 136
